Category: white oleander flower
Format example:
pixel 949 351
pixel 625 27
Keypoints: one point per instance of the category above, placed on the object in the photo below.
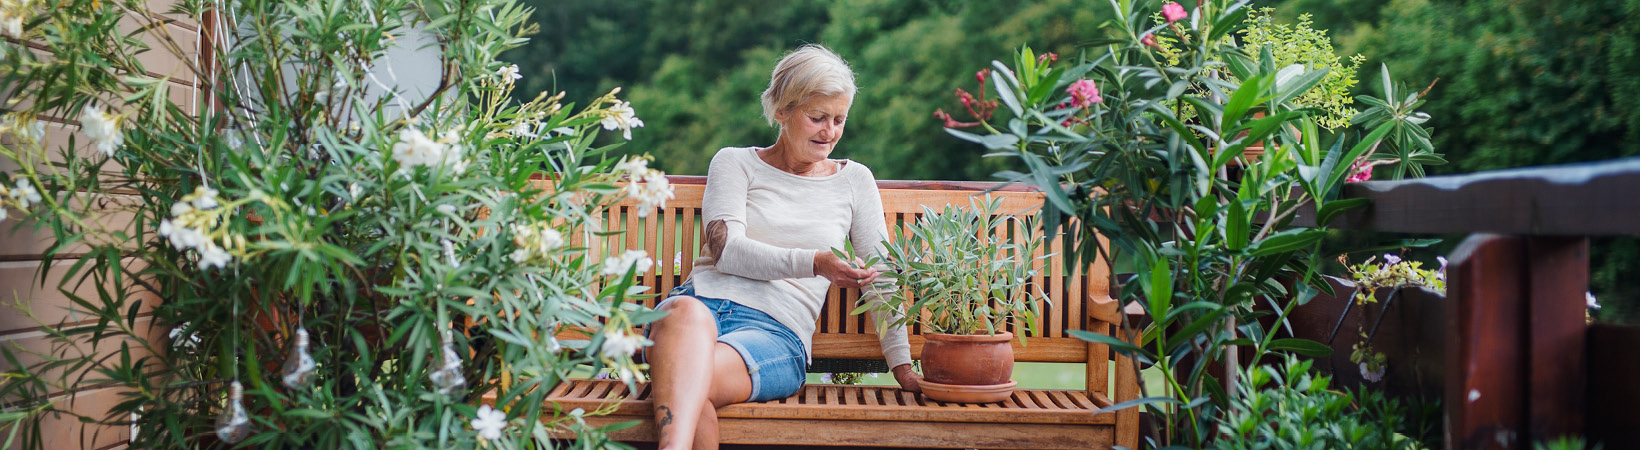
pixel 622 117
pixel 416 149
pixel 183 238
pixel 25 194
pixel 204 198
pixel 102 128
pixel 550 240
pixel 617 344
pixel 619 265
pixel 538 239
pixel 211 255
pixel 11 25
pixel 635 167
pixel 13 123
pixel 649 186
pixel 489 423
pixel 656 191
pixel 524 129
pixel 509 74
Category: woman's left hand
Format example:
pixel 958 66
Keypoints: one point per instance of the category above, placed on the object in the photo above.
pixel 909 380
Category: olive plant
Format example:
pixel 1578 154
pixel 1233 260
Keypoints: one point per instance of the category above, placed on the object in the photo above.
pixel 965 272
pixel 317 256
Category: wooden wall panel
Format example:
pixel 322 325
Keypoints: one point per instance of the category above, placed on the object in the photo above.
pixel 24 243
pixel 20 281
pixel 63 431
pixel 21 247
pixel 35 346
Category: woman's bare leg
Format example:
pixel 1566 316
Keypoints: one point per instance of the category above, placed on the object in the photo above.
pixel 687 386
pixel 730 384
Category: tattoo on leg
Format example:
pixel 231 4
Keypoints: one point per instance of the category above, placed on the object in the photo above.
pixel 666 418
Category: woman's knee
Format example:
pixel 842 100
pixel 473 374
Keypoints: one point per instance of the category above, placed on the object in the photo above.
pixel 685 311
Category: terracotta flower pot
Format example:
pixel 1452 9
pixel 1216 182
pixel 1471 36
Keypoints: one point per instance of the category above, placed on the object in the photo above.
pixel 968 368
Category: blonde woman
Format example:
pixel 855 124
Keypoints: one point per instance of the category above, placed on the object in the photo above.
pixel 741 329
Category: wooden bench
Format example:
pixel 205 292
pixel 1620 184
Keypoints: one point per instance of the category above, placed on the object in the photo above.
pixel 845 415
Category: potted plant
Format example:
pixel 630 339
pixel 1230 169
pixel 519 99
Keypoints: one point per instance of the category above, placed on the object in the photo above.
pixel 968 281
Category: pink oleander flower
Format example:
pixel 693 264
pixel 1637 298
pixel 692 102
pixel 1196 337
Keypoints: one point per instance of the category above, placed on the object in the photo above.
pixel 982 74
pixel 1149 40
pixel 1361 171
pixel 1084 93
pixel 1173 12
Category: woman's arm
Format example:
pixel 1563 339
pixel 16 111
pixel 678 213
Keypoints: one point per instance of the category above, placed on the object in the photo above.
pixel 723 206
pixel 867 234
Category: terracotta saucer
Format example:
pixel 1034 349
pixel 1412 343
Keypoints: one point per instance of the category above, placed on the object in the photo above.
pixel 954 393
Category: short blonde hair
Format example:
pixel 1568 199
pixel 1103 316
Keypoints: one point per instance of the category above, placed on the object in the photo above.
pixel 804 73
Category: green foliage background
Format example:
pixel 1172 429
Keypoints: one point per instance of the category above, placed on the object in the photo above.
pixel 695 69
pixel 1521 83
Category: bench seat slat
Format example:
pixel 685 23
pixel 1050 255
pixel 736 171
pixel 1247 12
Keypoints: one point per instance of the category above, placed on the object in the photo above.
pixel 826 402
pixel 885 433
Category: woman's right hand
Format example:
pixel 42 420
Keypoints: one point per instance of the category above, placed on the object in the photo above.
pixel 840 272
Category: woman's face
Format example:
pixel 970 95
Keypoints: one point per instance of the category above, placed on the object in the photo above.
pixel 814 127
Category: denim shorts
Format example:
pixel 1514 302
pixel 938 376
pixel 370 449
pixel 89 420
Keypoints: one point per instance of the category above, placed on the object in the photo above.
pixel 773 353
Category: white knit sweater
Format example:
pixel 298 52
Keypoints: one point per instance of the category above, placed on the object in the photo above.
pixel 776 221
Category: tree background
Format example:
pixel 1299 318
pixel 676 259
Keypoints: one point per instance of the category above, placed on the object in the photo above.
pixel 1520 83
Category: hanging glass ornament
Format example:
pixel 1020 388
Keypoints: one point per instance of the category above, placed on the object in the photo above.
pixel 234 425
pixel 447 377
pixel 300 369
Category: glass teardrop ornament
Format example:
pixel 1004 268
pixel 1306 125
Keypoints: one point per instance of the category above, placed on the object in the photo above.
pixel 300 368
pixel 234 424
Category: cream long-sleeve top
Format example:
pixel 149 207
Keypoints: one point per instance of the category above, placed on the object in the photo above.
pixel 775 222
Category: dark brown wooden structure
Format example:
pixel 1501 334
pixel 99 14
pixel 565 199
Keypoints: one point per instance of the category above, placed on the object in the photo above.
pixel 837 415
pixel 1522 366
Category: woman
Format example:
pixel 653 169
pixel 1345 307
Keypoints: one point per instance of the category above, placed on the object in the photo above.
pixel 772 215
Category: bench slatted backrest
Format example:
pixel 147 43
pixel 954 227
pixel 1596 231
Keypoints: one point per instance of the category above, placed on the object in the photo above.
pixel 1080 301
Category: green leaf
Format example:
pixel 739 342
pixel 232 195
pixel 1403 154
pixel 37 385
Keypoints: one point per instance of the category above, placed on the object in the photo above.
pixel 1287 241
pixel 1295 87
pixel 1159 288
pixel 1190 332
pixel 1139 402
pixel 1235 227
pixel 308 413
pixel 1332 209
pixel 1304 347
pixel 1114 343
pixel 1235 18
pixel 1004 83
pixel 1243 99
pixel 991 141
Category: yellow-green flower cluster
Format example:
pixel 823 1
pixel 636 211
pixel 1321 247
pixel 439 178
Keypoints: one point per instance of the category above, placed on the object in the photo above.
pixel 1394 273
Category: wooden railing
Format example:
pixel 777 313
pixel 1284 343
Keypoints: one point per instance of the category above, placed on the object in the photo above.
pixel 1519 365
